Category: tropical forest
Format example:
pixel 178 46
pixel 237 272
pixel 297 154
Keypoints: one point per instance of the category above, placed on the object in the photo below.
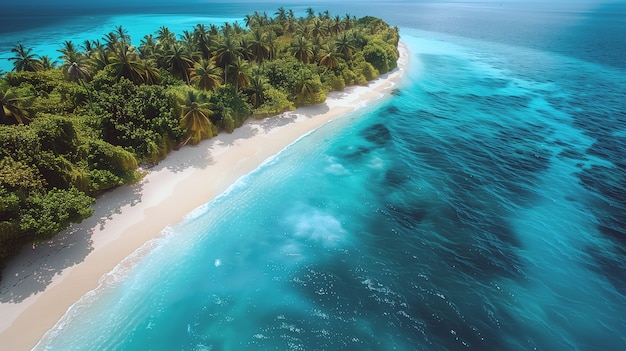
pixel 76 126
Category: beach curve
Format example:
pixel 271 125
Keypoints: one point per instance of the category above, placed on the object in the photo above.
pixel 40 285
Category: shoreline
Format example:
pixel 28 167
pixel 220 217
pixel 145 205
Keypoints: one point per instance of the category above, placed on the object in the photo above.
pixel 39 286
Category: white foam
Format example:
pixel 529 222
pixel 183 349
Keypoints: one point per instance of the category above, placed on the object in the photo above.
pixel 319 227
pixel 335 167
pixel 376 163
pixel 108 281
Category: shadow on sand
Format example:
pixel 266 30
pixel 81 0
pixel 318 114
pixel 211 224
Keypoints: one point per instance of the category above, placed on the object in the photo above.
pixel 34 268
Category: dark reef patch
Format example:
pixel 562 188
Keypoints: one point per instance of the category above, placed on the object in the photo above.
pixel 377 134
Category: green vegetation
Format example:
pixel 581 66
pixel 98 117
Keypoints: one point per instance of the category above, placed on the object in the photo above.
pixel 72 132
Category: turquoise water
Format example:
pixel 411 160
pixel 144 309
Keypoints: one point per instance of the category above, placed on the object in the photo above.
pixel 481 207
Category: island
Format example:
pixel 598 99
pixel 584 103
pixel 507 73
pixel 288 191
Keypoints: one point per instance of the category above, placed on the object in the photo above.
pixel 111 110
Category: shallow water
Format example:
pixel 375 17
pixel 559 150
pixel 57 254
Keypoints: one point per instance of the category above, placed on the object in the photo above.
pixel 481 207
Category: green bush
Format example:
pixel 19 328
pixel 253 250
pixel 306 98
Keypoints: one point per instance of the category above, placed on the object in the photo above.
pixel 276 102
pixel 48 214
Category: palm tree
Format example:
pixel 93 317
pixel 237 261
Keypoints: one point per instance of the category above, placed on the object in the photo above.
pixel 310 14
pixel 344 46
pixel 240 73
pixel 206 75
pixel 88 45
pixel 358 39
pixel 188 41
pixel 178 61
pixel 304 84
pixel 237 28
pixel 348 21
pixel 111 40
pixel 302 27
pixel 290 24
pixel 165 37
pixel 214 30
pixel 203 40
pixel 24 60
pixel 98 57
pixel 126 63
pixel 148 47
pixel 227 29
pixel 271 44
pixel 256 90
pixel 73 62
pixel 151 74
pixel 265 19
pixel 337 25
pixel 301 49
pixel 14 108
pixel 194 116
pixel 251 20
pixel 317 49
pixel 246 49
pixel 69 53
pixel 227 52
pixel 259 46
pixel 329 59
pixel 122 34
pixel 47 62
pixel 317 28
pixel 187 37
pixel 77 71
pixel 281 15
pixel 305 88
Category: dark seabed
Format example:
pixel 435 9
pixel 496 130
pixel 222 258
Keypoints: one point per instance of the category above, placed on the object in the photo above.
pixel 481 207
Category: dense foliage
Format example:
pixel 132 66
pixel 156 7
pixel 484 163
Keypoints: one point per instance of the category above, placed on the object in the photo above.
pixel 71 132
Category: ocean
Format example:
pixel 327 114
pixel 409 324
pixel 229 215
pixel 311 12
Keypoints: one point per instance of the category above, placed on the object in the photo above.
pixel 479 207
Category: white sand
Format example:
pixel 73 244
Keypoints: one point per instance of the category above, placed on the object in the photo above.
pixel 40 284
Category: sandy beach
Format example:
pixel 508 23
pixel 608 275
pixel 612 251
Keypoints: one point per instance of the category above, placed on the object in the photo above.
pixel 41 283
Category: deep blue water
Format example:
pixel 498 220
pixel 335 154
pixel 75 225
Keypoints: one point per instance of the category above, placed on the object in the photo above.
pixel 481 207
